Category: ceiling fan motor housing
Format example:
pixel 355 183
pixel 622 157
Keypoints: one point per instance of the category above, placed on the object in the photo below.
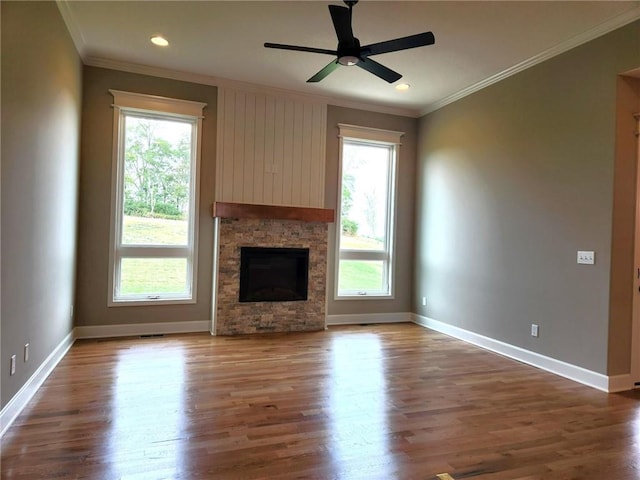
pixel 349 52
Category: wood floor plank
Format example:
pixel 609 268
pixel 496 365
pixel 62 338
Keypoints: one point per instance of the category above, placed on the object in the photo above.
pixel 357 402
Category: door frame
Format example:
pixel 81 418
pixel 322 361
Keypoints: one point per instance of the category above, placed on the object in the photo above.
pixel 635 326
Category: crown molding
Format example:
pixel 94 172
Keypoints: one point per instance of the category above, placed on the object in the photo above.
pixel 72 27
pixel 591 34
pixel 244 86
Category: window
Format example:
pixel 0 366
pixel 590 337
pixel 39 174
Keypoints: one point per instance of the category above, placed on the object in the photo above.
pixel 367 209
pixel 154 199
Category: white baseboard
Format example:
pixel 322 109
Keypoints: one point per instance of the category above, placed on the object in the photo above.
pixel 359 318
pixel 128 330
pixel 12 409
pixel 558 367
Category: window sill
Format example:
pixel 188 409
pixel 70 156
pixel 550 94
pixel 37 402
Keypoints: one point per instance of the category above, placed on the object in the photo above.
pixel 150 302
pixel 371 296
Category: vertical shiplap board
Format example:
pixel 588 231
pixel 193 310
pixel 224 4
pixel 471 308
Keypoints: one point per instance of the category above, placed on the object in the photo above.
pixel 258 161
pixel 278 155
pixel 271 149
pixel 238 149
pixel 316 169
pixel 296 154
pixel 296 160
pixel 307 153
pixel 224 170
pixel 249 148
pixel 289 135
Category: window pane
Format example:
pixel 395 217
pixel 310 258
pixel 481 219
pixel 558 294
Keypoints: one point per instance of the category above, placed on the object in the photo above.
pixel 153 276
pixel 153 231
pixel 365 183
pixel 361 275
pixel 157 176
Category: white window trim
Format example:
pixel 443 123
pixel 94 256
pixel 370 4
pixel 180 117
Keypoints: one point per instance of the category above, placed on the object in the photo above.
pixel 379 136
pixel 128 102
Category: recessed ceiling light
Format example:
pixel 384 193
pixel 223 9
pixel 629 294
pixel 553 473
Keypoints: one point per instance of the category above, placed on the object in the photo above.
pixel 160 41
pixel 403 87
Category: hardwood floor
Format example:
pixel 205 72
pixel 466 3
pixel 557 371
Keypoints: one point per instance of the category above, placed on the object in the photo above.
pixel 362 402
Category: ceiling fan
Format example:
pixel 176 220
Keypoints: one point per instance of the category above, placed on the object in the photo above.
pixel 349 51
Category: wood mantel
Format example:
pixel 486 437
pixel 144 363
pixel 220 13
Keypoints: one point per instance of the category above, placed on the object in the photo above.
pixel 279 212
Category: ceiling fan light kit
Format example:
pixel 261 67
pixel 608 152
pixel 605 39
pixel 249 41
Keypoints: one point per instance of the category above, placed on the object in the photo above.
pixel 348 60
pixel 350 53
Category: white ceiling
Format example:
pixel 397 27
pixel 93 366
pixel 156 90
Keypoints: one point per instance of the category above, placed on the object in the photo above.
pixel 213 42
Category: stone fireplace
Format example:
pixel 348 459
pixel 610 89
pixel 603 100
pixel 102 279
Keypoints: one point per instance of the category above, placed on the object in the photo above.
pixel 246 225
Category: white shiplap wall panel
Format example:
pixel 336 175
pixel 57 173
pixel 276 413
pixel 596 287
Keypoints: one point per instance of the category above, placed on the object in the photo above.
pixel 271 150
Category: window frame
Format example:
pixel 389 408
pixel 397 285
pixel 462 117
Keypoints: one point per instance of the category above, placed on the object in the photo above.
pixel 370 136
pixel 151 106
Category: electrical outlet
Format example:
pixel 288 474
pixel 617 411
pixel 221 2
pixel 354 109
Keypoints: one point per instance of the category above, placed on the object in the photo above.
pixel 534 330
pixel 26 352
pixel 71 312
pixel 12 368
pixel 424 301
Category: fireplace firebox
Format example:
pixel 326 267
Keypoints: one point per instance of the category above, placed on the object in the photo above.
pixel 273 274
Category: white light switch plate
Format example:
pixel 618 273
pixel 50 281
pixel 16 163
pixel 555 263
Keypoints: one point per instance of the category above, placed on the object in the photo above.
pixel 586 257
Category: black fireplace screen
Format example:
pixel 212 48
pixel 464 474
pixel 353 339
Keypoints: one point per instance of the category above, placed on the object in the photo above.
pixel 273 274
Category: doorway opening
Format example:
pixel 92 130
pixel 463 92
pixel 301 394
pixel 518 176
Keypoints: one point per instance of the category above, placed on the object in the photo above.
pixel 635 328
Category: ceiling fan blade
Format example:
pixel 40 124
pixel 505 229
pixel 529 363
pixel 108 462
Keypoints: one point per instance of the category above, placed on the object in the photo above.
pixel 300 49
pixel 341 17
pixel 324 72
pixel 404 43
pixel 379 70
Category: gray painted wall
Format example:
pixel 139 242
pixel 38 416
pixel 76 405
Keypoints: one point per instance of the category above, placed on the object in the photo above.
pixel 405 202
pixel 95 199
pixel 511 182
pixel 41 94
